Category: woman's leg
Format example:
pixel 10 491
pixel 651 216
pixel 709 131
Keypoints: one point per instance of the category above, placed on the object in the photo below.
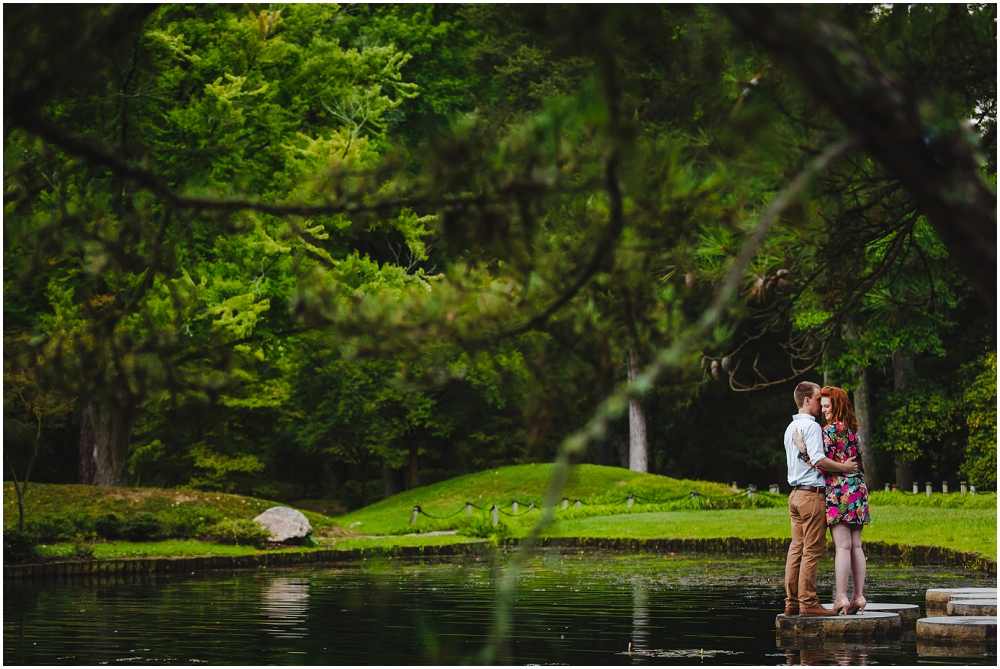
pixel 842 560
pixel 858 565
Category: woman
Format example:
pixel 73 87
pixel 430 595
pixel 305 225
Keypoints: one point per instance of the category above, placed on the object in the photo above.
pixel 846 497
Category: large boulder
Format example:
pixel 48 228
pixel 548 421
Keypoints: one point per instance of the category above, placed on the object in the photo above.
pixel 284 524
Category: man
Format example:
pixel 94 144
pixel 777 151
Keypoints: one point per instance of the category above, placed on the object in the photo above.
pixel 807 504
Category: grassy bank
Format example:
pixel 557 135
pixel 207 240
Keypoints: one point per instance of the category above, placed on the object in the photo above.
pixel 971 530
pixel 664 508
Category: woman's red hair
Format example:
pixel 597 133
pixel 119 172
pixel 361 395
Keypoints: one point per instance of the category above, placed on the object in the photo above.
pixel 840 407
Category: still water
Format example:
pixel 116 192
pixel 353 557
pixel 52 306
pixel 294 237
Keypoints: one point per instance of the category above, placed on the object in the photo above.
pixel 570 608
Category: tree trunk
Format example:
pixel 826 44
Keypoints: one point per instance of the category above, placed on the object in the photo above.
pixel 88 468
pixel 863 410
pixel 332 477
pixel 393 479
pixel 112 427
pixel 621 448
pixel 636 420
pixel 414 464
pixel 902 365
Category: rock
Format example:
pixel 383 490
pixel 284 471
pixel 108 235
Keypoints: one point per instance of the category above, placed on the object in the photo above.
pixel 908 613
pixel 868 626
pixel 972 607
pixel 958 629
pixel 938 597
pixel 284 523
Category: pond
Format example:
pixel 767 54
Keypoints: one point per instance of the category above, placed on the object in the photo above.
pixel 571 607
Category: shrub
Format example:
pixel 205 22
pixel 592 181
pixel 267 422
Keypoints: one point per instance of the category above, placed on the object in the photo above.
pixel 187 522
pixel 50 527
pixel 108 527
pixel 242 532
pixel 81 548
pixel 19 547
pixel 141 527
pixel 483 529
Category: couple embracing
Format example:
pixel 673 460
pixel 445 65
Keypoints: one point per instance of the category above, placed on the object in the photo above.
pixel 828 489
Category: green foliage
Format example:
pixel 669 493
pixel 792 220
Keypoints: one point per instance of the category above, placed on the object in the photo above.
pixel 955 421
pixel 108 527
pixel 82 548
pixel 19 547
pixel 483 528
pixel 322 242
pixel 953 500
pixel 979 404
pixel 52 527
pixel 241 532
pixel 141 527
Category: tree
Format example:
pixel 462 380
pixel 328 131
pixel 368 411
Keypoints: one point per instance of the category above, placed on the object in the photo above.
pixel 28 409
pixel 148 289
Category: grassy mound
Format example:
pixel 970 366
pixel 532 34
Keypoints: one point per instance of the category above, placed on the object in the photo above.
pixel 602 491
pixel 64 512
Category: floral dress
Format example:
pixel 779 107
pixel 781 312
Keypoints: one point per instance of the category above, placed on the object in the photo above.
pixel 846 494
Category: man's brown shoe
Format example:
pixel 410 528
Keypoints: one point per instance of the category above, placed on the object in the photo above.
pixel 791 610
pixel 815 610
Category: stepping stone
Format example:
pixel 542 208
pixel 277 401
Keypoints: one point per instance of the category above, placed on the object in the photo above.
pixel 972 607
pixel 958 629
pixel 908 613
pixel 938 597
pixel 866 626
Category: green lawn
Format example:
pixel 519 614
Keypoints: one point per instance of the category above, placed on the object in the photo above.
pixel 960 529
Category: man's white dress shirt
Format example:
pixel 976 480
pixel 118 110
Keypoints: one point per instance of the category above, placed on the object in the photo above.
pixel 799 473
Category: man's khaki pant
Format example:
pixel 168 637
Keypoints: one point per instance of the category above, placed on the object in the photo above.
pixel 808 512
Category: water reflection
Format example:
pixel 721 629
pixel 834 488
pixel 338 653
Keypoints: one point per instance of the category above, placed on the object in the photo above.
pixel 828 651
pixel 969 650
pixel 640 622
pixel 283 607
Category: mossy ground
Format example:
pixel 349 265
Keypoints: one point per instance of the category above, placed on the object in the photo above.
pixel 962 523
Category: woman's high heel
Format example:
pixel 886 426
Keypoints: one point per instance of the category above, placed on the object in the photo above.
pixel 856 606
pixel 841 605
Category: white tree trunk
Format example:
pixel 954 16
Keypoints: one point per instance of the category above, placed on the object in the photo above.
pixel 636 420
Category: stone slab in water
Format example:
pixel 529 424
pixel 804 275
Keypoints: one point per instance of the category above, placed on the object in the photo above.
pixel 972 607
pixel 938 597
pixel 865 626
pixel 908 613
pixel 958 629
pixel 284 523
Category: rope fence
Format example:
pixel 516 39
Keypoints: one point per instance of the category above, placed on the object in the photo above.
pixel 519 508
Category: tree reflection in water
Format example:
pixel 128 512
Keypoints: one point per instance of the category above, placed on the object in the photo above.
pixel 283 607
pixel 640 622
